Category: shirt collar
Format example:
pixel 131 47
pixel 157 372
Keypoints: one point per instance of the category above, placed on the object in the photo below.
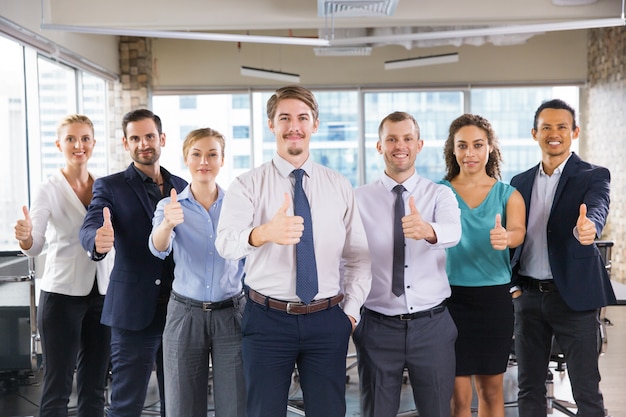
pixel 557 171
pixel 285 168
pixel 409 183
pixel 146 178
pixel 186 193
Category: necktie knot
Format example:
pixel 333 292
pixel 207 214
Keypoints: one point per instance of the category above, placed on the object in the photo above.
pixel 399 189
pixel 298 174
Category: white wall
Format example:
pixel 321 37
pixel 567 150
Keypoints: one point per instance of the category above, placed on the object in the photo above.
pixel 99 49
pixel 549 58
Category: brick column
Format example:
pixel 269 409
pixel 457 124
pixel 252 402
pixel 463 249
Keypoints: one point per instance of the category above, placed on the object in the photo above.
pixel 134 91
pixel 603 130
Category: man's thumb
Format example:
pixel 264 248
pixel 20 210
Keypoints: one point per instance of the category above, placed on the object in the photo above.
pixel 106 213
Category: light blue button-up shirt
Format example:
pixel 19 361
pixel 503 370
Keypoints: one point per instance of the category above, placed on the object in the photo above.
pixel 200 272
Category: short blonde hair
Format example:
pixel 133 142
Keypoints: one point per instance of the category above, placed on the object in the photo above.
pixel 197 134
pixel 74 118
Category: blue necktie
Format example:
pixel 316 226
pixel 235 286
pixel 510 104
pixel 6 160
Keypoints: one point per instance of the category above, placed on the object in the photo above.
pixel 306 269
pixel 397 277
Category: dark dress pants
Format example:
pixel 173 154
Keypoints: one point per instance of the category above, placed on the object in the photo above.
pixel 133 356
pixel 537 317
pixel 274 342
pixel 73 338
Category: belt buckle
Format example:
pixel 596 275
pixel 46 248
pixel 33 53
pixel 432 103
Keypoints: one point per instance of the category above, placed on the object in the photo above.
pixel 207 307
pixel 406 317
pixel 544 287
pixel 291 305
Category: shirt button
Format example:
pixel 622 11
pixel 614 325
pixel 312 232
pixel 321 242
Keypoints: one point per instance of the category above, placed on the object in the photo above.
pixel 157 282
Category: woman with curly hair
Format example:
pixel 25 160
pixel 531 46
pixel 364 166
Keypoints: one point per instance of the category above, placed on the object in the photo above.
pixel 479 271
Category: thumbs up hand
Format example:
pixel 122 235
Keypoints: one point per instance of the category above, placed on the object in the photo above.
pixel 415 227
pixel 24 230
pixel 105 235
pixel 585 227
pixel 282 229
pixel 498 235
pixel 24 227
pixel 173 212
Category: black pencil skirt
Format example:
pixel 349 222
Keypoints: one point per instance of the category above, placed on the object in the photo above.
pixel 484 320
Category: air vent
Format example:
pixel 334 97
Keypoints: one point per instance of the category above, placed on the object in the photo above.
pixel 356 8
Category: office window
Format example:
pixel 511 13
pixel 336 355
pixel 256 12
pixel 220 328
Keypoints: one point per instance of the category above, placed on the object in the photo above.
pixel 511 112
pixel 346 140
pixel 241 132
pixel 433 110
pixel 188 102
pixel 216 111
pixel 241 162
pixel 241 101
pixel 57 98
pixel 35 94
pixel 93 104
pixel 13 158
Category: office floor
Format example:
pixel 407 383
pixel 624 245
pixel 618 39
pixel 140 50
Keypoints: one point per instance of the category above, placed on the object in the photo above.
pixel 23 401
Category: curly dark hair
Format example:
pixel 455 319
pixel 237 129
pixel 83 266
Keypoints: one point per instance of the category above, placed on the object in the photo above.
pixel 495 157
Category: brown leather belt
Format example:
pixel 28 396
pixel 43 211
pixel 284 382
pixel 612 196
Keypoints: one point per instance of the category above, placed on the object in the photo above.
pixel 294 307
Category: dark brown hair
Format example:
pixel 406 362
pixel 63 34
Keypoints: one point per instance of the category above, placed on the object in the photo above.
pixel 495 157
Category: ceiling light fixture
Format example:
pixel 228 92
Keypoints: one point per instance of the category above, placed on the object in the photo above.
pixel 422 61
pixel 270 75
pixel 343 51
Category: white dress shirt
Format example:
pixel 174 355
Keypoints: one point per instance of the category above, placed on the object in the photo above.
pixel 425 279
pixel 339 238
pixel 534 261
pixel 57 215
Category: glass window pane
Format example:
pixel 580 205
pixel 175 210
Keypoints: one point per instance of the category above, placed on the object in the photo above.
pixel 511 112
pixel 433 110
pixel 336 142
pixel 57 98
pixel 94 105
pixel 13 158
pixel 218 111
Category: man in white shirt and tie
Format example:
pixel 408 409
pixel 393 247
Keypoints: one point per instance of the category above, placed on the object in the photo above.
pixel 405 322
pixel 286 323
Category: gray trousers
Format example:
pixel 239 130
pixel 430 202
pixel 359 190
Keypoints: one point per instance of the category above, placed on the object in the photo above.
pixel 424 346
pixel 190 337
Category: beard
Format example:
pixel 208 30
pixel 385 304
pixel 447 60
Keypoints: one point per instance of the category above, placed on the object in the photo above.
pixel 146 160
pixel 295 151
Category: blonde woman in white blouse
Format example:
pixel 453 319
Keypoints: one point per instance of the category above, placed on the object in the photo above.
pixel 72 285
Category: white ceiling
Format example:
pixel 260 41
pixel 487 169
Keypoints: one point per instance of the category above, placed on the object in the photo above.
pixel 290 21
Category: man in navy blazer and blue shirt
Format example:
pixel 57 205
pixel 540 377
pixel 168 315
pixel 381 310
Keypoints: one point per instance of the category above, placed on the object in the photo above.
pixel 559 277
pixel 120 215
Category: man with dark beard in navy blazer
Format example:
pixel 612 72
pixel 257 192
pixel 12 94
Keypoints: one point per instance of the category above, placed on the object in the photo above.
pixel 120 215
pixel 559 277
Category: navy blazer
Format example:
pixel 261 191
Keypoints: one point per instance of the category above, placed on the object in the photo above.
pixel 134 286
pixel 578 270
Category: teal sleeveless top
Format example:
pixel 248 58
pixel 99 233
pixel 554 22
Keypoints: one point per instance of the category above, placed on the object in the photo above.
pixel 473 262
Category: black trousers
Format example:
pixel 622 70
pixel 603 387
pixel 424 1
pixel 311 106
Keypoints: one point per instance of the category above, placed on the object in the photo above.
pixel 72 338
